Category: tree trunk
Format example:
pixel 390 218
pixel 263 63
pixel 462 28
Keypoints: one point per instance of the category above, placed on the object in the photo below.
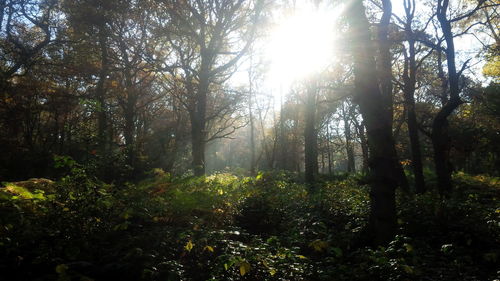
pixel 364 146
pixel 328 149
pixel 440 137
pixel 252 128
pixel 360 131
pixel 351 164
pixel 385 78
pixel 198 146
pixel 409 77
pixel 416 155
pixel 383 161
pixel 385 59
pixel 310 136
pixel 198 122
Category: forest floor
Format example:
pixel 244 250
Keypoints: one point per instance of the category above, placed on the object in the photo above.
pixel 224 227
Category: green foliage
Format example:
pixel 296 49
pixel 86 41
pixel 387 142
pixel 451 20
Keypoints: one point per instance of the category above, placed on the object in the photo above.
pixel 223 227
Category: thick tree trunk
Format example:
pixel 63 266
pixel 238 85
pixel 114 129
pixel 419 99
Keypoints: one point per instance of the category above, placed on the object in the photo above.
pixel 385 78
pixel 310 136
pixel 441 146
pixel 198 122
pixel 198 146
pixel 383 161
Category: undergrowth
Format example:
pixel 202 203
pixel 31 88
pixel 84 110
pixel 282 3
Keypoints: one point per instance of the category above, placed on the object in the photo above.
pixel 224 227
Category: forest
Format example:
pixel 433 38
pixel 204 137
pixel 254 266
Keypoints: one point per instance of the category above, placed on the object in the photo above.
pixel 249 140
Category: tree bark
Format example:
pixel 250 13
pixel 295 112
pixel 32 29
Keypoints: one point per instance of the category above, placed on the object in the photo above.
pixel 198 143
pixel 385 78
pixel 383 161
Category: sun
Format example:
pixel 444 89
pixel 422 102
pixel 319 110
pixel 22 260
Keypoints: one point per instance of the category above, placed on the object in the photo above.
pixel 302 45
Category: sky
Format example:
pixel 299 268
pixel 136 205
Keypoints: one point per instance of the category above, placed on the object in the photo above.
pixel 304 43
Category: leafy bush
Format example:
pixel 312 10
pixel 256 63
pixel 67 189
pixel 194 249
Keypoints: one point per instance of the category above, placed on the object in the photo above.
pixel 223 227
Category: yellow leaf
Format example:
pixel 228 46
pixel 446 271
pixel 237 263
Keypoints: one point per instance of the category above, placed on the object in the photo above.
pixel 318 245
pixel 209 248
pixel 66 209
pixel 244 268
pixel 189 246
pixel 272 272
pixel 301 257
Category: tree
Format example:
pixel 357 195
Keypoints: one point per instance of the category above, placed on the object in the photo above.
pixel 411 66
pixel 383 162
pixel 29 28
pixel 93 29
pixel 360 132
pixel 346 110
pixel 134 74
pixel 384 67
pixel 451 101
pixel 207 41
